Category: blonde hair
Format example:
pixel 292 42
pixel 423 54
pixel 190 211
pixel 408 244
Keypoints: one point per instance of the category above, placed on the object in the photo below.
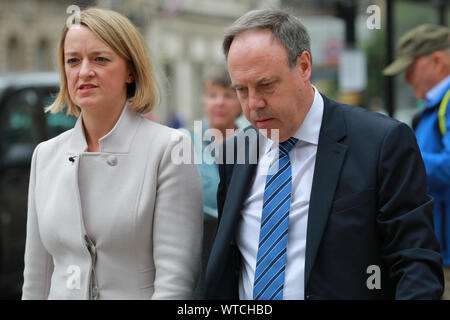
pixel 122 36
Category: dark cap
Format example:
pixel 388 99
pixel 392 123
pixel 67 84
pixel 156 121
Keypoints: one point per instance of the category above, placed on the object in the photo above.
pixel 418 42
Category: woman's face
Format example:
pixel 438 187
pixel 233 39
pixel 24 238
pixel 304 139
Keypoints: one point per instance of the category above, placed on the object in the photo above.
pixel 96 75
pixel 221 106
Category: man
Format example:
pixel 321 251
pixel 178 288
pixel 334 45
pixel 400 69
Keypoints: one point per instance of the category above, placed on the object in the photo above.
pixel 344 214
pixel 424 53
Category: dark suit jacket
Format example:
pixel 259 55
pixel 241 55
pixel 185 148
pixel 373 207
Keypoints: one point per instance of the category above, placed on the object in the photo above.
pixel 368 206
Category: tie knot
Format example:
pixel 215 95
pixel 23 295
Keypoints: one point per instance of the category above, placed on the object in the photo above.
pixel 287 145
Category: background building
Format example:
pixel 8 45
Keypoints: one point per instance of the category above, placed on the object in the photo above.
pixel 185 37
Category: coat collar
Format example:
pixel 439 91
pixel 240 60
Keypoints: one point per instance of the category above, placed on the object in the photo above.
pixel 118 140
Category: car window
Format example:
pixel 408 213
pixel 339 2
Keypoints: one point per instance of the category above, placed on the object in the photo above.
pixel 25 124
pixel 57 123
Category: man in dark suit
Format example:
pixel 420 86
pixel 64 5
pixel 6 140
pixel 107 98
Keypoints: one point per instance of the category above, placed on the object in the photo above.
pixel 336 205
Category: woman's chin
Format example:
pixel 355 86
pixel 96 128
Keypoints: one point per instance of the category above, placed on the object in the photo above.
pixel 86 105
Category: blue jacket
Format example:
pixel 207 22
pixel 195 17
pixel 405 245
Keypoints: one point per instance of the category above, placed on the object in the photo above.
pixel 434 142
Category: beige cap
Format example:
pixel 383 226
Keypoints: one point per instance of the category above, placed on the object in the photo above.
pixel 417 42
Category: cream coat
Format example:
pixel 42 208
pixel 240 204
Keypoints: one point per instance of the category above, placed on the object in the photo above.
pixel 144 213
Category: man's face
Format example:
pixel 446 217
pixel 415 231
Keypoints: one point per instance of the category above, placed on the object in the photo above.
pixel 422 75
pixel 272 95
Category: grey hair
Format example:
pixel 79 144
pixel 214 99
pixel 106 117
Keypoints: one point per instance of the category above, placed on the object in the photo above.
pixel 284 26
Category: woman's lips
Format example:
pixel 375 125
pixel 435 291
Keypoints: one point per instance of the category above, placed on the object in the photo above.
pixel 86 88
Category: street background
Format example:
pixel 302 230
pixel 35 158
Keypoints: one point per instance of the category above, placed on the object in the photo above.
pixel 351 42
pixel 185 40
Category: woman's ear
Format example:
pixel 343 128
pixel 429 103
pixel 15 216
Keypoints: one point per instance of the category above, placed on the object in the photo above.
pixel 130 78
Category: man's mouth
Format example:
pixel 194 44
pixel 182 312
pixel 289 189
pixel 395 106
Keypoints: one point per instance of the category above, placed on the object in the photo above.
pixel 263 120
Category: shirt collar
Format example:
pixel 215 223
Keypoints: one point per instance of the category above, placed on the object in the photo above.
pixel 436 94
pixel 309 130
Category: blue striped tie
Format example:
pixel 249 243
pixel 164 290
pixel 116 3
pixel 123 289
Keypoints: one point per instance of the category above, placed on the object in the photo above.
pixel 273 237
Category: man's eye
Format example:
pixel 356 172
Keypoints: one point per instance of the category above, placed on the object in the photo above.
pixel 101 59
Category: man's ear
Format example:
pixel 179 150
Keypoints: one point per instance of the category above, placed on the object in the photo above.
pixel 441 61
pixel 303 66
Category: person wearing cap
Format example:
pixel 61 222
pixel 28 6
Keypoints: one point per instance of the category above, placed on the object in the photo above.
pixel 424 54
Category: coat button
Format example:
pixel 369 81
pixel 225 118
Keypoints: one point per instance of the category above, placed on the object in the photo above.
pixel 94 292
pixel 112 160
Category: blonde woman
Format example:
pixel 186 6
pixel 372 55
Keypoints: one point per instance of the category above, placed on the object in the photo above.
pixel 110 216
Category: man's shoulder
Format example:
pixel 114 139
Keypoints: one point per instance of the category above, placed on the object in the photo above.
pixel 357 113
pixel 360 121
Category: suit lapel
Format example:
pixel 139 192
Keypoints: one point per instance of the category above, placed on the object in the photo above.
pixel 236 193
pixel 239 184
pixel 329 160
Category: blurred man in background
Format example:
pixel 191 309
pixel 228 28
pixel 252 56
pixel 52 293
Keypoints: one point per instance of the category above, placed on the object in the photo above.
pixel 424 54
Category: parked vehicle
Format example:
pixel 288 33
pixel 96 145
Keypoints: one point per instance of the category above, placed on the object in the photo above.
pixel 23 124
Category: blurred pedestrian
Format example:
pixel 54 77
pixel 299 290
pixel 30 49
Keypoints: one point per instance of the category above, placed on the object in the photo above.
pixel 424 54
pixel 110 216
pixel 222 109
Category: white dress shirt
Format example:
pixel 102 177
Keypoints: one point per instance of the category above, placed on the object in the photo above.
pixel 303 158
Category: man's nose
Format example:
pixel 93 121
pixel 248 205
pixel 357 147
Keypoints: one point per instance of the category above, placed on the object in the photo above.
pixel 408 73
pixel 256 100
pixel 406 76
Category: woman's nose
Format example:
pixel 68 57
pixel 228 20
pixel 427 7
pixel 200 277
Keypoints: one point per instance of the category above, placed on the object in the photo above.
pixel 86 70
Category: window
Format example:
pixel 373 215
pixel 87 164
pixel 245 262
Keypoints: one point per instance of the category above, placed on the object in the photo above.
pixel 42 56
pixel 14 56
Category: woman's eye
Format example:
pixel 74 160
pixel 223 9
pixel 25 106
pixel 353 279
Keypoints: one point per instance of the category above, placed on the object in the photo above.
pixel 72 60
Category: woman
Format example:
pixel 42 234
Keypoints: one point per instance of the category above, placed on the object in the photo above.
pixel 109 215
pixel 222 109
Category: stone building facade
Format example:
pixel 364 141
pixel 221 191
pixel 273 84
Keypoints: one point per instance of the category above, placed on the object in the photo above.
pixel 184 37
